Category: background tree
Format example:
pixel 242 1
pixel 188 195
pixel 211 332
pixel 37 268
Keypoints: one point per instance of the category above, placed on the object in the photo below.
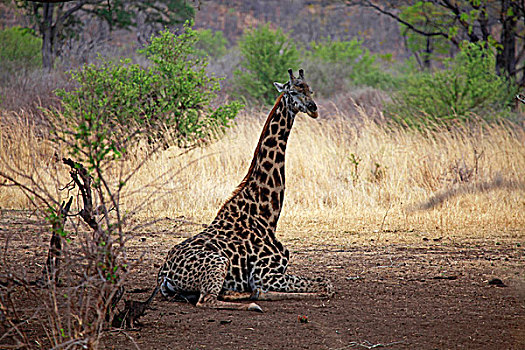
pixel 19 49
pixel 467 87
pixel 335 65
pixel 211 43
pixel 424 48
pixel 57 21
pixel 499 24
pixel 266 55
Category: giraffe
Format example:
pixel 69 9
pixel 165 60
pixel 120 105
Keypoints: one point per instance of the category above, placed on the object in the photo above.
pixel 238 257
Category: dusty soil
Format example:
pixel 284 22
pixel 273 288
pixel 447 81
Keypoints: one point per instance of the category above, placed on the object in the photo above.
pixel 431 294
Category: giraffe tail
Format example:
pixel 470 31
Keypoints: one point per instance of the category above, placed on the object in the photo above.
pixel 133 311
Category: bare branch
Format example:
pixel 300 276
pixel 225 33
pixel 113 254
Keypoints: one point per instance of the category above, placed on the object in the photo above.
pixel 70 11
pixel 405 23
pixel 457 12
pixel 84 186
pixel 50 1
pixel 50 271
pixel 26 189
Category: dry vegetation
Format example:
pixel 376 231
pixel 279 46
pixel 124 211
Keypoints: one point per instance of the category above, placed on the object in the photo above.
pixel 352 180
pixel 347 180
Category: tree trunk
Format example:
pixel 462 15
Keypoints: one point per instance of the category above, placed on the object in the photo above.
pixel 506 56
pixel 48 34
pixel 427 61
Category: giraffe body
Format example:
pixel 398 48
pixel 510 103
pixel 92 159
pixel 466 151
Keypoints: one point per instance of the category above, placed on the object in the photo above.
pixel 238 256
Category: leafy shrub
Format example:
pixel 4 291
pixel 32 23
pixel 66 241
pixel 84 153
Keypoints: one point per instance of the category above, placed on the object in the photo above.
pixel 211 43
pixel 115 103
pixel 469 85
pixel 334 65
pixel 266 56
pixel 20 48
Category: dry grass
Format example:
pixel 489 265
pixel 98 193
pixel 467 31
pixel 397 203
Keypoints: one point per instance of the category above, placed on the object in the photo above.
pixel 464 183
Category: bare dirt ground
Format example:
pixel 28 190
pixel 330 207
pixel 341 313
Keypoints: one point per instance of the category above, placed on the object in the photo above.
pixel 430 294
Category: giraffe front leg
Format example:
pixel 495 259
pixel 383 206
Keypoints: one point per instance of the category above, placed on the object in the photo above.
pixel 211 301
pixel 212 280
pixel 283 287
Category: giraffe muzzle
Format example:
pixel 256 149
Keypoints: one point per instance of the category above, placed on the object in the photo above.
pixel 312 110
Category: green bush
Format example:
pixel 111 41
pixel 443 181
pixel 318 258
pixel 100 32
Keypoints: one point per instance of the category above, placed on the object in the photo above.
pixel 116 103
pixel 350 54
pixel 266 57
pixel 20 48
pixel 469 85
pixel 211 43
pixel 335 65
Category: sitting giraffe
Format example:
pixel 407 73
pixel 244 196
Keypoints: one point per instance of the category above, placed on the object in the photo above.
pixel 237 257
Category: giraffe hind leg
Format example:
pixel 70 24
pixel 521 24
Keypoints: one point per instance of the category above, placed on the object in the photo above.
pixel 171 293
pixel 191 298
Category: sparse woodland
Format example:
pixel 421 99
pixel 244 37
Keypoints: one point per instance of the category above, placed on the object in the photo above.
pixel 127 136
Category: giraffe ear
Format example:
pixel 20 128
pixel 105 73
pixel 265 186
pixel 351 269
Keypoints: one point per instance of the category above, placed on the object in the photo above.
pixel 279 86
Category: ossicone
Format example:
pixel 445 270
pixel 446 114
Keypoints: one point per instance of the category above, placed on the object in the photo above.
pixel 290 73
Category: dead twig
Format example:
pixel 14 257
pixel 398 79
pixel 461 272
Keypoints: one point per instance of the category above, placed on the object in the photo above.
pixel 368 345
pixel 120 330
pixel 384 218
pixel 83 180
pixel 50 270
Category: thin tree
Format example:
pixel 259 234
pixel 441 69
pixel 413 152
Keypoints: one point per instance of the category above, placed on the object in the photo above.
pixel 57 20
pixel 499 24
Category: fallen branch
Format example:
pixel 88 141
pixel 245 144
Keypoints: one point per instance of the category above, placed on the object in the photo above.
pixel 368 345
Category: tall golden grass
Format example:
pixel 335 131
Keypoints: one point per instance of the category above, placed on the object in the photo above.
pixel 345 180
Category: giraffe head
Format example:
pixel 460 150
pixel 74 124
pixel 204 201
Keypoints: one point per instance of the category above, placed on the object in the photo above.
pixel 299 93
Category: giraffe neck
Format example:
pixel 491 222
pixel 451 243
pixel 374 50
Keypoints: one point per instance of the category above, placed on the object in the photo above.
pixel 259 198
